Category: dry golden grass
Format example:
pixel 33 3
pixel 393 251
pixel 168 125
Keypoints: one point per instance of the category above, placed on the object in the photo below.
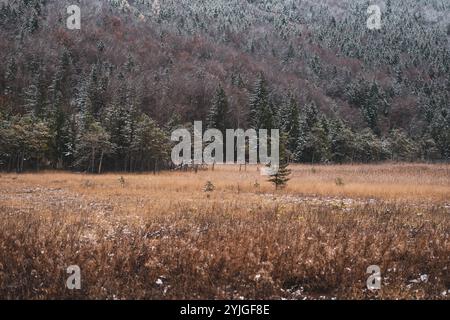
pixel 162 237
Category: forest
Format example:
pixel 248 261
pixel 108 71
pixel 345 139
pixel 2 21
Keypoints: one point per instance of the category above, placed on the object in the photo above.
pixel 107 97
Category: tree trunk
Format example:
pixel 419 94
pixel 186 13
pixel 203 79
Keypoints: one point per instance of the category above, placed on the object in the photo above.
pixel 21 162
pixel 18 162
pixel 10 163
pixel 93 161
pixel 101 162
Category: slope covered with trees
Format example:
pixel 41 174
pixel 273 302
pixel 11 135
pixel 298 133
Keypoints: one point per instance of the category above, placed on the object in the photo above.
pixel 107 96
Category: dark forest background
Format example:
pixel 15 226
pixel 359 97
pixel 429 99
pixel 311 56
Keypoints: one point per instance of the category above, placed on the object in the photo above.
pixel 107 97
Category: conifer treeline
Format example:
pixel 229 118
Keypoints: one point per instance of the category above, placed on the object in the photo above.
pixel 108 96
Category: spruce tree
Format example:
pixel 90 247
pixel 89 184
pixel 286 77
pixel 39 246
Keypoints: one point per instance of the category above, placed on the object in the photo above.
pixel 280 177
pixel 10 76
pixel 219 114
pixel 267 117
pixel 342 142
pixel 121 121
pixel 259 103
pixel 151 145
pixel 92 146
pixel 370 107
pixel 57 121
pixel 34 94
pixel 292 124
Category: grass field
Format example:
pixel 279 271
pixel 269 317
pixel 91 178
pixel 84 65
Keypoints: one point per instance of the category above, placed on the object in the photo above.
pixel 163 237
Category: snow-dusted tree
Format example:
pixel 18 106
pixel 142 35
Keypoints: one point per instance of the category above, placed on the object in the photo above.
pixel 342 144
pixel 401 148
pixel 151 147
pixel 259 103
pixel 121 121
pixel 219 114
pixel 94 143
pixel 10 76
pixel 34 94
pixel 440 131
pixel 28 139
pixel 292 123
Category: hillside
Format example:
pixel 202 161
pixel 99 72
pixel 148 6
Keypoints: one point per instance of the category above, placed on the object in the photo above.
pixel 136 70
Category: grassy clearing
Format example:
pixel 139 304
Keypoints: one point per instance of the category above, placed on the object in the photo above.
pixel 163 237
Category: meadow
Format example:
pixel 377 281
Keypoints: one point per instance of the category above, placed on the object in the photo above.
pixel 166 236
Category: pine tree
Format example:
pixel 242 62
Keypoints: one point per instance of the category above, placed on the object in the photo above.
pixel 259 104
pixel 58 127
pixel 280 177
pixel 57 114
pixel 401 147
pixel 28 138
pixel 440 131
pixel 95 91
pixel 371 106
pixel 34 95
pixel 174 122
pixel 317 147
pixel 121 121
pixel 310 113
pixel 151 145
pixel 5 142
pixel 292 124
pixel 92 146
pixel 10 76
pixel 82 101
pixel 267 117
pixel 219 114
pixel 33 22
pixel 311 140
pixel 342 142
pixel 429 149
pixel 368 147
pixel 290 54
